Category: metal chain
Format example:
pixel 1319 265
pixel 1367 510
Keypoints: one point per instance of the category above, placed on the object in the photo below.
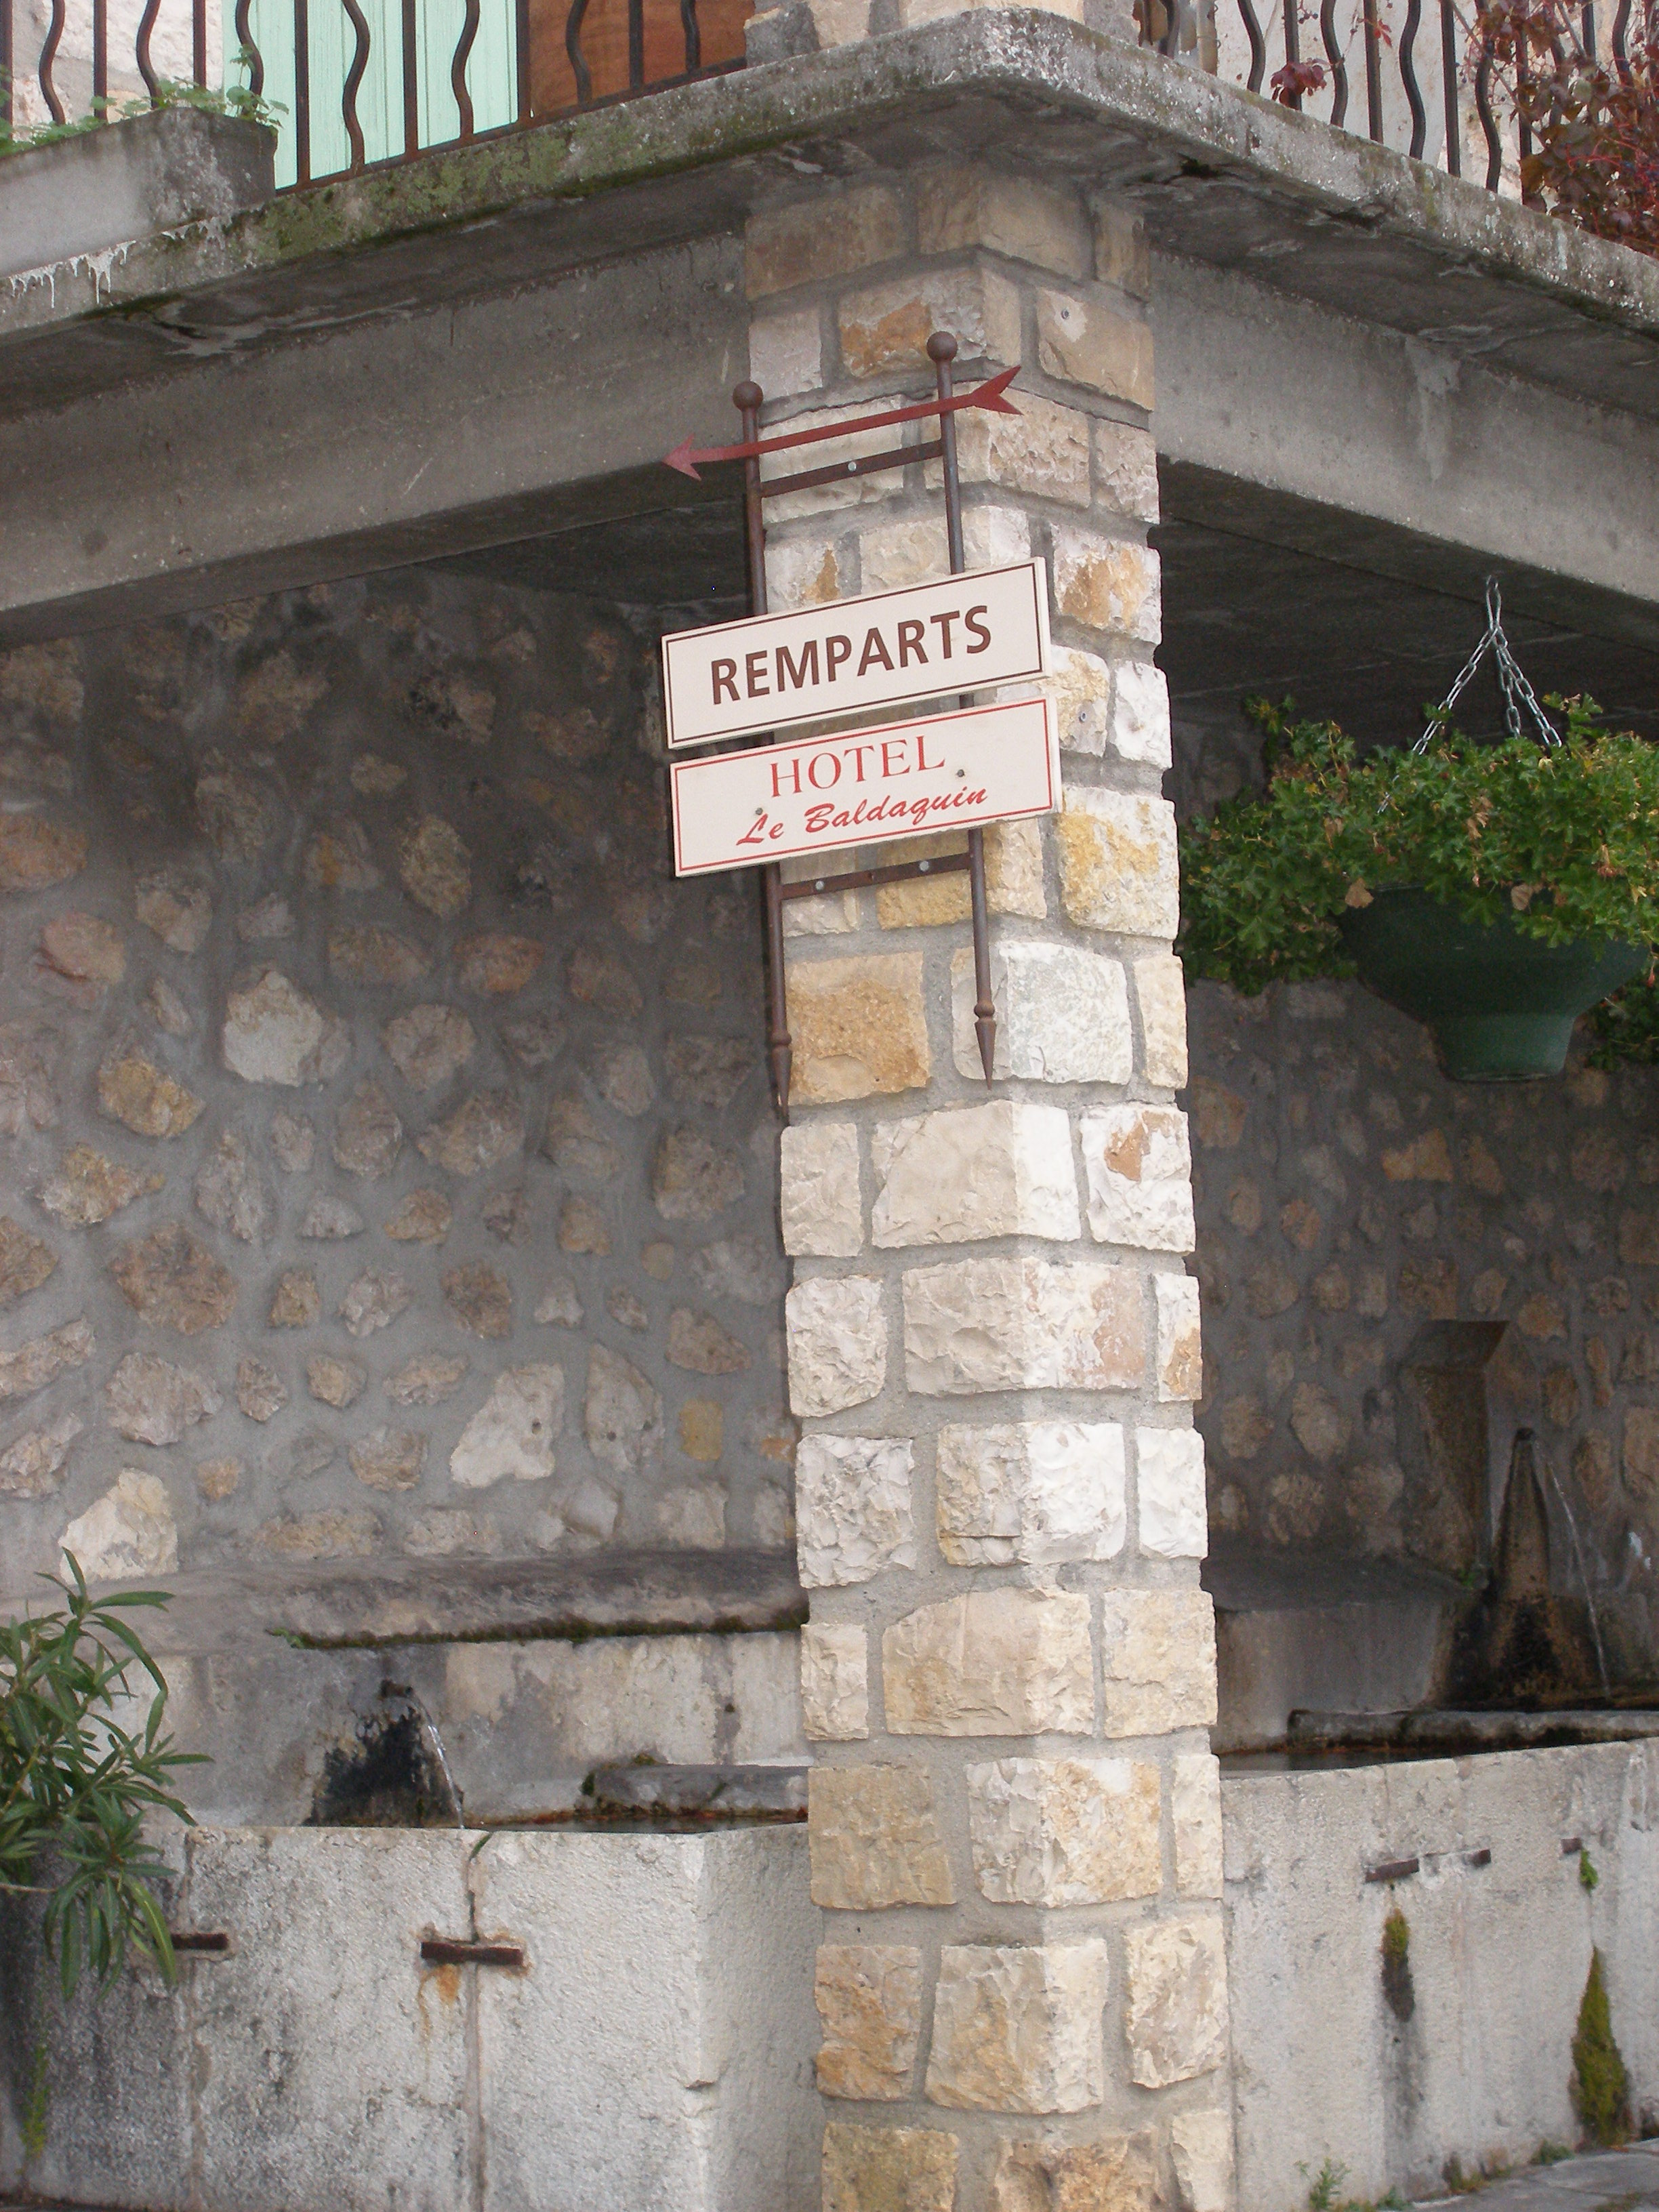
pixel 1517 691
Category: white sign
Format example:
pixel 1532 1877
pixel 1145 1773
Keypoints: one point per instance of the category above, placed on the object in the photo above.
pixel 944 772
pixel 960 634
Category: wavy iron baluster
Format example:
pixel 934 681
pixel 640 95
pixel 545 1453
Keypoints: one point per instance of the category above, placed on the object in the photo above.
pixel 48 58
pixel 246 48
pixel 1292 50
pixel 457 67
pixel 1373 70
pixel 1483 108
pixel 572 47
pixel 1621 41
pixel 1258 45
pixel 1449 87
pixel 693 32
pixel 1408 78
pixel 353 77
pixel 1338 66
pixel 140 51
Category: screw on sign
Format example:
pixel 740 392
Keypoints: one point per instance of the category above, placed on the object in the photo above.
pixel 966 633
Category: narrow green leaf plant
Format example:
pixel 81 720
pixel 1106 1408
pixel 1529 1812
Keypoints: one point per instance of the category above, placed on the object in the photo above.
pixel 75 1785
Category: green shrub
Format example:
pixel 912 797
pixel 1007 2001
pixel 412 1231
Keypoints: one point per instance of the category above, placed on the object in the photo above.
pixel 1563 840
pixel 75 1783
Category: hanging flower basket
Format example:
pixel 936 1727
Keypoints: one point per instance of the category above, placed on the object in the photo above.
pixel 1493 891
pixel 1500 1005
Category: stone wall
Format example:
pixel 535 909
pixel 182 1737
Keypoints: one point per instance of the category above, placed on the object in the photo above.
pixel 388 1166
pixel 1348 1197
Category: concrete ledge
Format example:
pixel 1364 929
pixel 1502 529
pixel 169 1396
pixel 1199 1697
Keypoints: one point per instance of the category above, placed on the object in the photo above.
pixel 653 2054
pixel 76 200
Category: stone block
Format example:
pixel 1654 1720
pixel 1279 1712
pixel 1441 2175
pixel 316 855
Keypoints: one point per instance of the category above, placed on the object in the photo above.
pixel 1120 252
pixel 1179 1360
pixel 1012 1324
pixel 806 570
pixel 860 1027
pixel 836 1335
pixel 888 2170
pixel 1175 2016
pixel 1002 1169
pixel 1084 341
pixel 1013 877
pixel 1119 2174
pixel 811 241
pixel 1201 2149
pixel 1140 705
pixel 875 1838
pixel 1005 1661
pixel 1108 584
pixel 1196 1812
pixel 912 551
pixel 1117 862
pixel 1062 1014
pixel 1158 1653
pixel 785 353
pixel 1041 452
pixel 869 1999
pixel 1064 1831
pixel 1078 686
pixel 1018 2028
pixel 1161 994
pixel 834 1681
pixel 819 1199
pixel 853 1508
pixel 1172 1517
pixel 1126 480
pixel 959 206
pixel 886 326
pixel 1039 1491
pixel 1139 1167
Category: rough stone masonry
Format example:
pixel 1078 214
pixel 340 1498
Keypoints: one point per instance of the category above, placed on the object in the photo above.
pixel 388 1166
pixel 993 1341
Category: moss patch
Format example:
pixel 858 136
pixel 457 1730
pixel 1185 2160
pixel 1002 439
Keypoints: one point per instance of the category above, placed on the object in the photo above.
pixel 1600 2087
pixel 1397 1987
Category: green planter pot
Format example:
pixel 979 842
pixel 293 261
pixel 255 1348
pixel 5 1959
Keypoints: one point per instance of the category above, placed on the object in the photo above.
pixel 1501 1006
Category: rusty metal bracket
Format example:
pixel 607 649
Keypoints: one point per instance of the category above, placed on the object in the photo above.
pixel 747 398
pixel 199 1943
pixel 443 1951
pixel 1394 1870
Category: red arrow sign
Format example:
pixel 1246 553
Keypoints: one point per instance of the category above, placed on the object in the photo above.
pixel 685 457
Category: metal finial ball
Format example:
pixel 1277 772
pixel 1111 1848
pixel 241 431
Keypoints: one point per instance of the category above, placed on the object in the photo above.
pixel 942 346
pixel 747 394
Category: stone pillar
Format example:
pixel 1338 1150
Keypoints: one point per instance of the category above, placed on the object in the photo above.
pixel 1010 1667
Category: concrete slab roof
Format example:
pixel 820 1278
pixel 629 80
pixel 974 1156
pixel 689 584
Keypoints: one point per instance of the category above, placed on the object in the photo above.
pixel 1225 177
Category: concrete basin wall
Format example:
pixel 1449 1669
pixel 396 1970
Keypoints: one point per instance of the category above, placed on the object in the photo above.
pixel 1479 2067
pixel 654 2055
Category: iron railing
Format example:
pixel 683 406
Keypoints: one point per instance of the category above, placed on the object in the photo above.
pixel 1408 69
pixel 350 85
pixel 355 84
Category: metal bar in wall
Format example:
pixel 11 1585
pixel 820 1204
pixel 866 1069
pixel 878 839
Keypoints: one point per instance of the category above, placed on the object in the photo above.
pixel 302 92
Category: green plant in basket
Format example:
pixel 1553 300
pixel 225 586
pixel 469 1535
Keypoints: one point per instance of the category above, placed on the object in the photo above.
pixel 75 1785
pixel 1478 886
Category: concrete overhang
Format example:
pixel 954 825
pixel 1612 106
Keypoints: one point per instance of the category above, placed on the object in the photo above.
pixel 1225 177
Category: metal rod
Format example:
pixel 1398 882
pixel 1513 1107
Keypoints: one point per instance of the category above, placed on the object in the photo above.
pixel 100 58
pixel 572 47
pixel 457 67
pixel 441 1951
pixel 5 66
pixel 636 45
pixel 1258 46
pixel 198 29
pixel 942 352
pixel 353 77
pixel 839 472
pixel 1483 108
pixel 1292 51
pixel 693 34
pixel 521 35
pixel 1449 87
pixel 48 57
pixel 411 78
pixel 1408 78
pixel 1373 70
pixel 247 51
pixel 140 51
pixel 747 398
pixel 201 1943
pixel 302 92
pixel 1338 61
pixel 902 872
